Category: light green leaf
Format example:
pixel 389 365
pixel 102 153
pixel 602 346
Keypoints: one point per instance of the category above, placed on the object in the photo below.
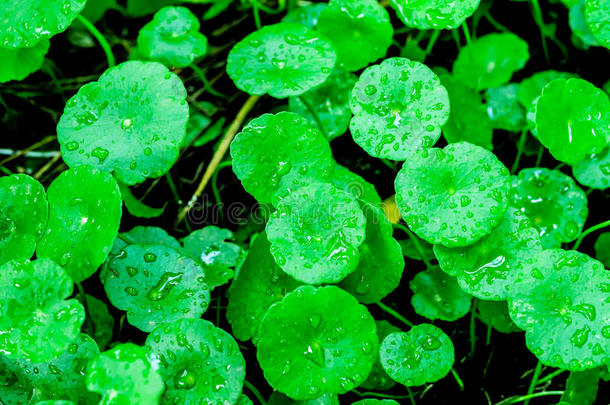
pixel 350 182
pixel 594 170
pixel 19 63
pixel 596 16
pixel 504 109
pixel 102 321
pixel 436 295
pixel 306 15
pixel 136 207
pixel 378 379
pixel 435 14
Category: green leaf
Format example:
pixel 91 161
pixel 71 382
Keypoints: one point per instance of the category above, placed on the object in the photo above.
pixel 561 299
pixel 96 9
pixel 38 322
pixel 378 379
pixel 495 315
pixel 315 234
pixel 531 87
pixel 596 16
pixel 490 60
pixel 602 248
pixel 130 122
pixel 210 134
pixel 468 120
pixel 504 109
pixel 194 128
pixel 197 361
pixel 330 102
pixel 211 247
pixel 36 20
pixel 315 341
pixel 172 38
pixel 581 34
pixel 277 398
pixel 103 322
pixel 282 60
pixel 156 284
pixel 453 196
pixel 359 29
pixel 581 388
pixel 276 154
pixel 123 375
pixel 484 269
pixel 23 216
pixel 350 182
pixel 370 282
pixel 436 295
pixel 399 107
pixel 136 207
pixel 554 203
pixel 140 8
pixel 594 170
pixel 84 217
pixel 435 14
pixel 422 355
pixel 372 401
pixel 17 64
pixel 573 119
pixel 306 15
pixel 55 402
pixel 410 250
pixel 259 284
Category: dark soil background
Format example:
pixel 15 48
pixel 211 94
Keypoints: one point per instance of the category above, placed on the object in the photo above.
pixel 495 371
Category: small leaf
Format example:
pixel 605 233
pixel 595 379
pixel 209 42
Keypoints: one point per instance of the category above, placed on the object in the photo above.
pixel 19 63
pixel 136 207
pixel 436 295
pixel 305 15
pixel 596 16
pixel 581 388
pixel 504 109
pixel 531 87
pixel 602 249
pixel 103 322
pixel 495 315
pixel 594 170
pixel 378 379
pixel 435 14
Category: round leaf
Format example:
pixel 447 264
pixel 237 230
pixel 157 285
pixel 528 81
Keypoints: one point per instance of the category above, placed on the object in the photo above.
pixel 84 217
pixel 38 323
pixel 23 23
pixel 372 401
pixel 436 295
pixel 531 87
pixel 17 64
pixel 561 299
pixel 348 181
pixel 101 319
pixel 315 234
pixel 495 315
pixel 156 284
pixel 453 196
pixel 315 341
pixel 554 203
pixel 594 170
pixel 130 122
pixel 596 16
pixel 277 398
pixel 197 361
pixel 359 29
pixel 23 216
pixel 282 60
pixel 378 379
pixel 435 14
pixel 573 119
pixel 172 38
pixel 504 109
pixel 490 60
pixel 306 15
pixel 484 269
pixel 602 248
pixel 259 284
pixel 581 34
pixel 422 355
pixel 123 375
pixel 399 106
pixel 276 154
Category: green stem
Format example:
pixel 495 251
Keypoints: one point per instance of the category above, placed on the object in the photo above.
pixel 314 114
pixel 415 240
pixel 257 17
pixel 380 395
pixel 537 15
pixel 583 234
pixel 466 32
pixel 395 314
pixel 473 337
pixel 411 396
pixel 550 376
pixel 125 239
pixel 214 182
pixel 495 23
pixel 255 392
pixel 520 147
pixel 83 298
pixel 100 38
pixel 432 41
pixel 488 336
pixel 208 87
pixel 534 381
pixel 172 187
pixel 516 400
pixel 457 379
pixel 539 156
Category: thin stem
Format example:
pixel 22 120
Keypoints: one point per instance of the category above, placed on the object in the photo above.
pixel 255 392
pixel 206 84
pixel 257 17
pixel 395 314
pixel 583 234
pixel 539 156
pixel 380 395
pixel 550 376
pixel 495 23
pixel 44 141
pixel 100 38
pixel 520 147
pixel 521 398
pixel 172 187
pixel 314 114
pixel 215 191
pixel 466 32
pixel 125 239
pixel 473 336
pixel 415 240
pixel 411 396
pixel 537 15
pixel 534 381
pixel 488 336
pixel 457 379
pixel 432 41
pixel 223 146
pixel 83 298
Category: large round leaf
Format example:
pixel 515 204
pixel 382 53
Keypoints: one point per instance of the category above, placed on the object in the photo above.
pixel 259 284
pixel 370 282
pixel 84 217
pixel 453 196
pixel 359 29
pixel 123 375
pixel 435 14
pixel 484 269
pixel 156 284
pixel 172 38
pixel 130 122
pixel 596 16
pixel 37 323
pixel 17 64
pixel 491 60
pixel 276 154
pixel 315 341
pixel 573 119
pixel 378 379
pixel 554 203
pixel 594 170
pixel 23 216
pixel 399 107
pixel 422 355
pixel 315 234
pixel 283 60
pixel 23 23
pixel 562 300
pixel 436 295
pixel 197 361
